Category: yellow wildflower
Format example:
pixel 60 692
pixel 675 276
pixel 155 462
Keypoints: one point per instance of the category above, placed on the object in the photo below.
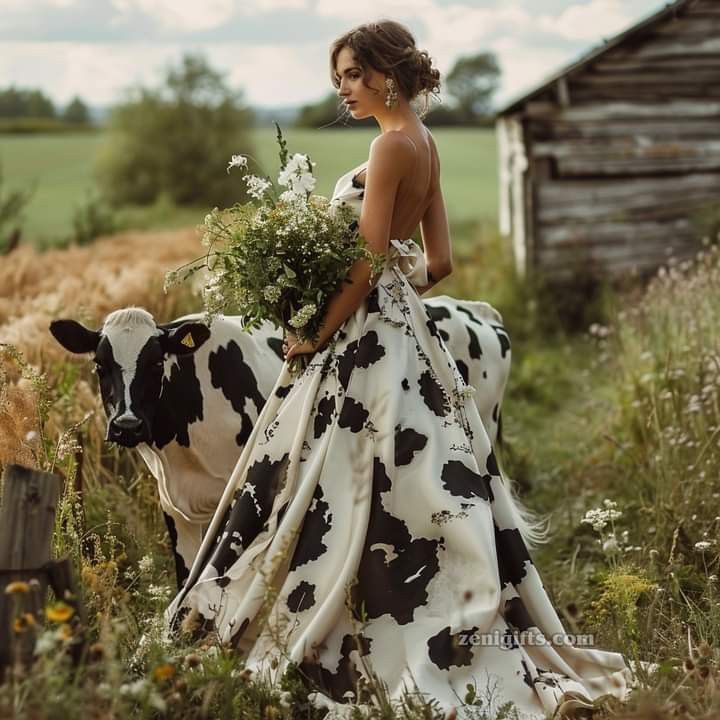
pixel 59 612
pixel 23 622
pixel 164 672
pixel 17 586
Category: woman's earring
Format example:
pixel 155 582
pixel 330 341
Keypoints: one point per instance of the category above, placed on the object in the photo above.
pixel 391 94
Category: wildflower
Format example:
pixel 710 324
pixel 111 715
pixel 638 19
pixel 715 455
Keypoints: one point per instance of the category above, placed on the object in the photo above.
pixel 599 518
pixel 46 642
pixel 17 586
pixel 134 689
pixel 146 563
pixel 159 592
pixel 193 660
pixel 257 186
pixel 302 316
pixel 59 612
pixel 31 437
pixel 702 545
pixel 610 545
pixel 285 700
pixel 271 293
pixel 163 672
pixel 239 161
pixel 23 622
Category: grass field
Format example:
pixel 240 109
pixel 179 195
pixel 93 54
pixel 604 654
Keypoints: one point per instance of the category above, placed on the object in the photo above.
pixel 60 168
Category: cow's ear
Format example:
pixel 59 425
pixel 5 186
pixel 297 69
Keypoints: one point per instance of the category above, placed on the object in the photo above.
pixel 74 336
pixel 184 339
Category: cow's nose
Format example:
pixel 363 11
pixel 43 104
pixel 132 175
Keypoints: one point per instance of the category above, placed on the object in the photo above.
pixel 127 422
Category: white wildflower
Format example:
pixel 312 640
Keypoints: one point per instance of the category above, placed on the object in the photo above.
pixel 237 161
pixel 257 186
pixel 302 316
pixel 134 689
pixel 159 592
pixel 702 545
pixel 271 293
pixel 31 437
pixel 46 642
pixel 610 545
pixel 146 563
pixel 599 518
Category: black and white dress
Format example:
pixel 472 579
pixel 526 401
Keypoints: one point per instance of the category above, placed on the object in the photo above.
pixel 366 529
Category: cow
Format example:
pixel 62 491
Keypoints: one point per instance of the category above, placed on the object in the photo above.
pixel 187 395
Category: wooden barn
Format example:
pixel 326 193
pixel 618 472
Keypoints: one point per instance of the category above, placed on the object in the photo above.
pixel 612 163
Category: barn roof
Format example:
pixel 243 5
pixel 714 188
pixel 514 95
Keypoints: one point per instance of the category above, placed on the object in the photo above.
pixel 670 10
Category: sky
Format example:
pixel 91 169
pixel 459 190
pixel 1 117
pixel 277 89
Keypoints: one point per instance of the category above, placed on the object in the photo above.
pixel 276 51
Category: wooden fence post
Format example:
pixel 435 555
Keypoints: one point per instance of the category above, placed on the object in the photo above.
pixel 27 517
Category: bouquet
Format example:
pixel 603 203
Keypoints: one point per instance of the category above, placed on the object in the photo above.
pixel 280 256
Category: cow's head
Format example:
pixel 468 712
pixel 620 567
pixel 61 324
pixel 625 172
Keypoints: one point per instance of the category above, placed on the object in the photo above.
pixel 130 352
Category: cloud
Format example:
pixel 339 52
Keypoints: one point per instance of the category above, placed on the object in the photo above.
pixel 180 15
pixel 588 21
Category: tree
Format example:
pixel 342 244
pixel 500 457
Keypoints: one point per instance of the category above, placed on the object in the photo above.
pixel 472 82
pixel 176 139
pixel 76 111
pixel 17 102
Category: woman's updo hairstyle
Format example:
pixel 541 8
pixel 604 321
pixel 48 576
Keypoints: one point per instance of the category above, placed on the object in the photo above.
pixel 389 47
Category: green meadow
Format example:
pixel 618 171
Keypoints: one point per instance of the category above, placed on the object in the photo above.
pixel 60 168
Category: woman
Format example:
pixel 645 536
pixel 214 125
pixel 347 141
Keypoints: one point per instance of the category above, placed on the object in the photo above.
pixel 366 533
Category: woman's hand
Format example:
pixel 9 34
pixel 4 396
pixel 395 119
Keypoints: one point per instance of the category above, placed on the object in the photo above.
pixel 300 348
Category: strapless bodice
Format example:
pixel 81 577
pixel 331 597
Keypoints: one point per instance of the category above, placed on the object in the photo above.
pixel 406 254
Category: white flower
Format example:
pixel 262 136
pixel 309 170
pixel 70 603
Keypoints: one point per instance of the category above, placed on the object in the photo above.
pixel 271 293
pixel 159 592
pixel 301 317
pixel 134 689
pixel 146 563
pixel 46 642
pixel 304 182
pixel 702 545
pixel 599 518
pixel 237 161
pixel 31 436
pixel 610 545
pixel 257 186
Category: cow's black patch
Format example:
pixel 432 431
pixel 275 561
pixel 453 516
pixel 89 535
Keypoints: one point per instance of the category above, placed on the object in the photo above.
pixel 302 597
pixel 179 405
pixel 395 568
pixel 325 412
pixel 474 349
pixel 316 524
pixel 433 394
pixel 407 443
pixel 237 381
pixel 436 313
pixel 459 480
pixel 405 384
pixel 470 315
pixel 446 649
pixel 181 570
pixel 275 344
pixel 353 415
pixel 512 554
pixel 503 339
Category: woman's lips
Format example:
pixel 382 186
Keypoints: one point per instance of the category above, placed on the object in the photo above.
pixel 350 103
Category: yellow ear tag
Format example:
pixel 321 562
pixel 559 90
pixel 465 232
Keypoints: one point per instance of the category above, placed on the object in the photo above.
pixel 188 341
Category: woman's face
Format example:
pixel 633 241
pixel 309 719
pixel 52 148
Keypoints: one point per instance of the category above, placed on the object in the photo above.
pixel 362 101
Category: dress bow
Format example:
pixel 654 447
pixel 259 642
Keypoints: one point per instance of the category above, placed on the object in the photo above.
pixel 410 259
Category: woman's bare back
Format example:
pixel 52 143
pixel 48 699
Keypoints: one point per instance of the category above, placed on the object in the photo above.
pixel 417 189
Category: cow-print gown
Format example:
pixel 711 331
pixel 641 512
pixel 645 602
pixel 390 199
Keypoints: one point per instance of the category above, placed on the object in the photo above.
pixel 365 529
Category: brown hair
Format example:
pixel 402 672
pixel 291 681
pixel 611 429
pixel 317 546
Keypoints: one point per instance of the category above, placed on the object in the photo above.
pixel 389 47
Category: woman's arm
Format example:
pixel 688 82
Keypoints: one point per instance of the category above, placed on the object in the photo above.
pixel 391 156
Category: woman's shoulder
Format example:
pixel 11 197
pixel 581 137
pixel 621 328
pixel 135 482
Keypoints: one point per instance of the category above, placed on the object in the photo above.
pixel 392 147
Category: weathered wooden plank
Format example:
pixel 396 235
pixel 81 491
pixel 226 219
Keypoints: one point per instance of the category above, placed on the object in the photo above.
pixel 670 47
pixel 660 246
pixel 676 109
pixel 610 64
pixel 581 234
pixel 609 265
pixel 611 167
pixel 644 93
pixel 648 128
pixel 629 147
pixel 690 24
pixel 587 192
pixel 27 518
pixel 664 78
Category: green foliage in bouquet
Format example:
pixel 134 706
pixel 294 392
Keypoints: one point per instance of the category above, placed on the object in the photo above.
pixel 279 257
